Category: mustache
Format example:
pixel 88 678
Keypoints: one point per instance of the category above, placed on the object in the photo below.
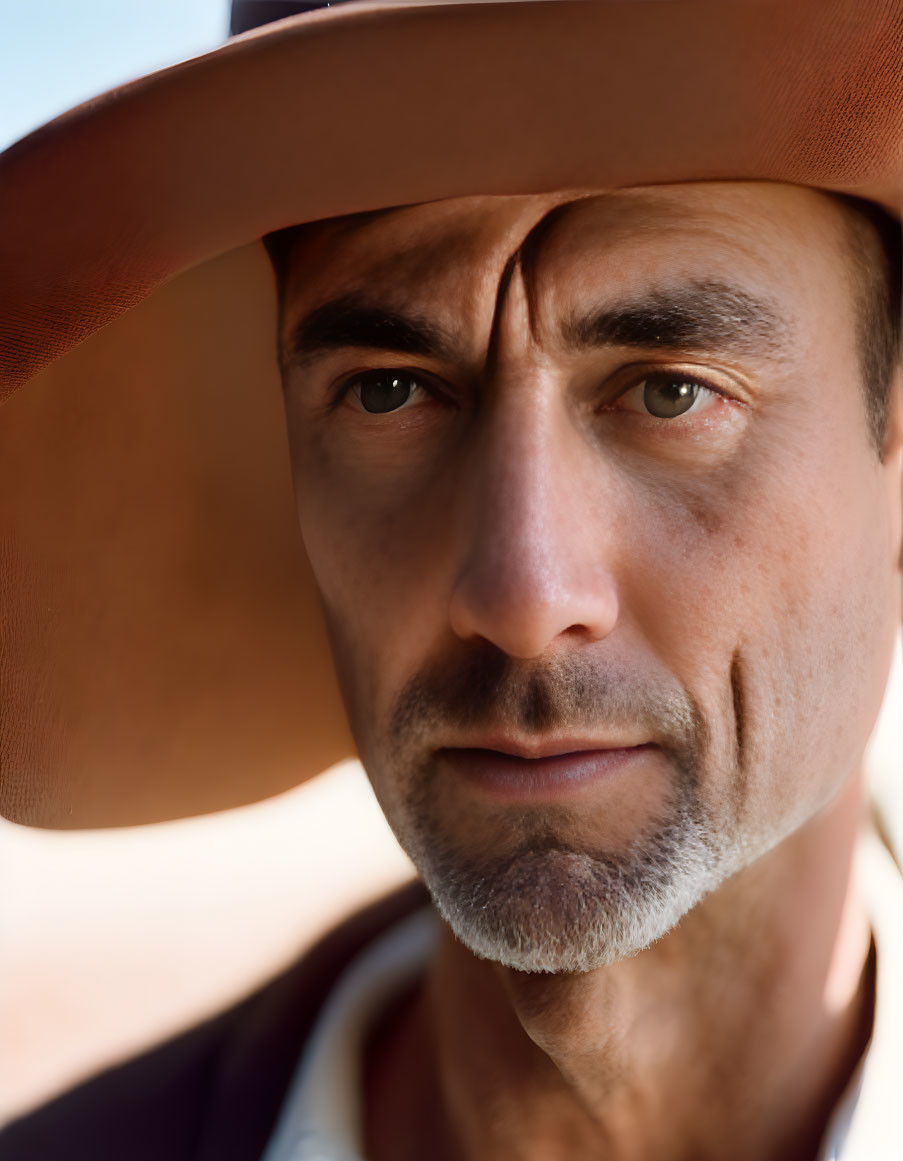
pixel 484 688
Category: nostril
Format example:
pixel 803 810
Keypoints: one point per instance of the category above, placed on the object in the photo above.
pixel 523 619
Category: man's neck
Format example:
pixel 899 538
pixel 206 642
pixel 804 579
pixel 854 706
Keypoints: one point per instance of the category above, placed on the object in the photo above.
pixel 733 1036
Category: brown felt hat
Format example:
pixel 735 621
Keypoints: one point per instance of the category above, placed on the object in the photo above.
pixel 161 647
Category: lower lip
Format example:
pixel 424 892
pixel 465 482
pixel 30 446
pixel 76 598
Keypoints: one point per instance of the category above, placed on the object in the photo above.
pixel 505 777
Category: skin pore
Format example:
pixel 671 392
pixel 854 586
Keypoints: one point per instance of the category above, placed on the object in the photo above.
pixel 592 474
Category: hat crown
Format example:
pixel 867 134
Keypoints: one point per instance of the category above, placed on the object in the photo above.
pixel 248 14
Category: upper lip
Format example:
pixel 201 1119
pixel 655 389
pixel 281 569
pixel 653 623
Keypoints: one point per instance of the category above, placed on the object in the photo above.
pixel 548 747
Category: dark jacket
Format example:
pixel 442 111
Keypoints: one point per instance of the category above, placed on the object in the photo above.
pixel 213 1093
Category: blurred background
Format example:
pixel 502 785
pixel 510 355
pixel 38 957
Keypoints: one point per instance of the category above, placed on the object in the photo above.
pixel 111 940
pixel 54 54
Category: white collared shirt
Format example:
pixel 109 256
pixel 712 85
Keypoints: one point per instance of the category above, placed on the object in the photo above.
pixel 322 1115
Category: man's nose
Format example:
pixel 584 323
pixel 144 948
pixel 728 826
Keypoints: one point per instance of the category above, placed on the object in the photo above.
pixel 535 539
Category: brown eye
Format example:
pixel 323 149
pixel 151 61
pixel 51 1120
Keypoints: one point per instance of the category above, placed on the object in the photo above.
pixel 669 396
pixel 381 391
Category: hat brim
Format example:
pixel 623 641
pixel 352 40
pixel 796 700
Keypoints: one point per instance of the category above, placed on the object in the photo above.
pixel 367 105
pixel 162 652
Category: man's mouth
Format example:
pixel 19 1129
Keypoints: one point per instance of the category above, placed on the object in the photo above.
pixel 540 772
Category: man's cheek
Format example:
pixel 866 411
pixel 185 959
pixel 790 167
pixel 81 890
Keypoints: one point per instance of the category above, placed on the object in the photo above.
pixel 370 596
pixel 808 645
pixel 728 586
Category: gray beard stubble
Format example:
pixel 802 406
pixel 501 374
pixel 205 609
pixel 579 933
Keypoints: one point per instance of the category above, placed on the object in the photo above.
pixel 541 905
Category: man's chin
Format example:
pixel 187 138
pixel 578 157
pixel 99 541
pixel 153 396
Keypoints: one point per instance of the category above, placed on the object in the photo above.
pixel 556 910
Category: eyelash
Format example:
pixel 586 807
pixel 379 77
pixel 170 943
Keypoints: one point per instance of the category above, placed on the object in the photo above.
pixel 429 384
pixel 663 376
pixel 346 384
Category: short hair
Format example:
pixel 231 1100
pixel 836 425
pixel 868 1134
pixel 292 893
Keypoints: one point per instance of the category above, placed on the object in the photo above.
pixel 875 263
pixel 875 252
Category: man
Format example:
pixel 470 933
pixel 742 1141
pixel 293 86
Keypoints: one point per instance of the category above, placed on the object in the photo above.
pixel 602 495
pixel 593 462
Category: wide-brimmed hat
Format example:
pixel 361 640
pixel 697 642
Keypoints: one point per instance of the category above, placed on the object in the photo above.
pixel 162 651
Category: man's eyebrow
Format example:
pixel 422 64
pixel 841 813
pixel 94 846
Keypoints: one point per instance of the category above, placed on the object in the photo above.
pixel 695 316
pixel 351 321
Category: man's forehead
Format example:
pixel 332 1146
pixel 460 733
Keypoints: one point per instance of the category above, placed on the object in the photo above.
pixel 412 248
pixel 751 274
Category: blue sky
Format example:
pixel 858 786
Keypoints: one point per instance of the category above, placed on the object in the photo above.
pixel 56 53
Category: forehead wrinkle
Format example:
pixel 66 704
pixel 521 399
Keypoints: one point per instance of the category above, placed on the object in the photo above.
pixel 347 255
pixel 416 261
pixel 524 260
pixel 373 255
pixel 505 279
pixel 628 208
pixel 530 254
pixel 406 264
pixel 394 277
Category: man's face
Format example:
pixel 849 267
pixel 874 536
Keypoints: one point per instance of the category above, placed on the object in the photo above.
pixel 607 558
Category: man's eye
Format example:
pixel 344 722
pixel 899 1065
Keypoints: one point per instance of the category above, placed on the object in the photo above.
pixel 669 395
pixel 382 391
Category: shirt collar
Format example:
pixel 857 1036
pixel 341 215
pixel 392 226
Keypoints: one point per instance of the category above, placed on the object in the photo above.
pixel 322 1116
